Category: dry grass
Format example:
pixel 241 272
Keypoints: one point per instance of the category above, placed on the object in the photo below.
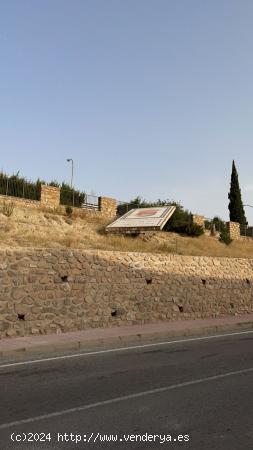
pixel 208 246
pixel 34 228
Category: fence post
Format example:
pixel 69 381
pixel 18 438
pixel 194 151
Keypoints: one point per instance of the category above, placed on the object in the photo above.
pixel 107 206
pixel 198 220
pixel 233 229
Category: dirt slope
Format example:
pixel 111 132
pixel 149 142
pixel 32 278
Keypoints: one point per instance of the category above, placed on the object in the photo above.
pixel 31 228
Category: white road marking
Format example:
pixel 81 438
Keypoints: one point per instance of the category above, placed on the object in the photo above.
pixel 124 398
pixel 122 349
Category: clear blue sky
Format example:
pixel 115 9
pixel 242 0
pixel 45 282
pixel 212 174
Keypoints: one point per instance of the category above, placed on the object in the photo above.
pixel 149 97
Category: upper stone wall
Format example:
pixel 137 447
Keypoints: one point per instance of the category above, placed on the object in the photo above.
pixel 50 199
pixel 198 220
pixel 45 291
pixel 19 202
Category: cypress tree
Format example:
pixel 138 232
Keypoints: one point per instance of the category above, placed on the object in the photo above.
pixel 236 210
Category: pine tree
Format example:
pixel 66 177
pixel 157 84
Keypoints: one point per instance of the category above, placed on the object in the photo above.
pixel 236 210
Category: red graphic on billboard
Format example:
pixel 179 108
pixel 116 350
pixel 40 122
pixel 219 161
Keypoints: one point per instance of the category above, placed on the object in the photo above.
pixel 147 212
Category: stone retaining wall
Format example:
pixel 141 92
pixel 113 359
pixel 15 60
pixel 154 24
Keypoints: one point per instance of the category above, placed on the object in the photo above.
pixel 19 202
pixel 45 291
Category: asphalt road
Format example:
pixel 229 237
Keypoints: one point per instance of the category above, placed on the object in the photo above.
pixel 199 392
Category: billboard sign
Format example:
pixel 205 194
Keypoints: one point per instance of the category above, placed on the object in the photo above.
pixel 143 219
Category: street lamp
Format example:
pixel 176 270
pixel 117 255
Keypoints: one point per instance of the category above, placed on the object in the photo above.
pixel 72 170
pixel 72 175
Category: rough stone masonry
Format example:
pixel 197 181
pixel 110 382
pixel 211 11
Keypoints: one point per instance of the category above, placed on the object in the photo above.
pixel 53 291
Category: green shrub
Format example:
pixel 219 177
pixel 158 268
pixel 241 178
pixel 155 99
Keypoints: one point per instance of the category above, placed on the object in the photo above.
pixel 224 237
pixel 190 229
pixel 71 197
pixel 181 222
pixel 208 224
pixel 16 186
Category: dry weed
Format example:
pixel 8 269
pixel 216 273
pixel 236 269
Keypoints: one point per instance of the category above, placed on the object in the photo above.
pixel 8 208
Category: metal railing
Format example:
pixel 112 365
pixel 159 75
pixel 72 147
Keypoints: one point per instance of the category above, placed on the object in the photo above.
pixel 76 199
pixel 246 230
pixel 216 226
pixel 91 202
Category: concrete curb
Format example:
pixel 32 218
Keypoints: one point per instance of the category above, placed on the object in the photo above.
pixel 121 340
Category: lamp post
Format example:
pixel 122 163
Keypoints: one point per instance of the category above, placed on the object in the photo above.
pixel 72 175
pixel 72 170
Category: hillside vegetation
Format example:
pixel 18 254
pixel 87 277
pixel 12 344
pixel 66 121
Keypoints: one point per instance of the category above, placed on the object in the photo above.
pixel 31 228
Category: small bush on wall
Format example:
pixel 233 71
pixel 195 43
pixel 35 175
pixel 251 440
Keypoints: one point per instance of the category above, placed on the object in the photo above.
pixel 190 229
pixel 224 237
